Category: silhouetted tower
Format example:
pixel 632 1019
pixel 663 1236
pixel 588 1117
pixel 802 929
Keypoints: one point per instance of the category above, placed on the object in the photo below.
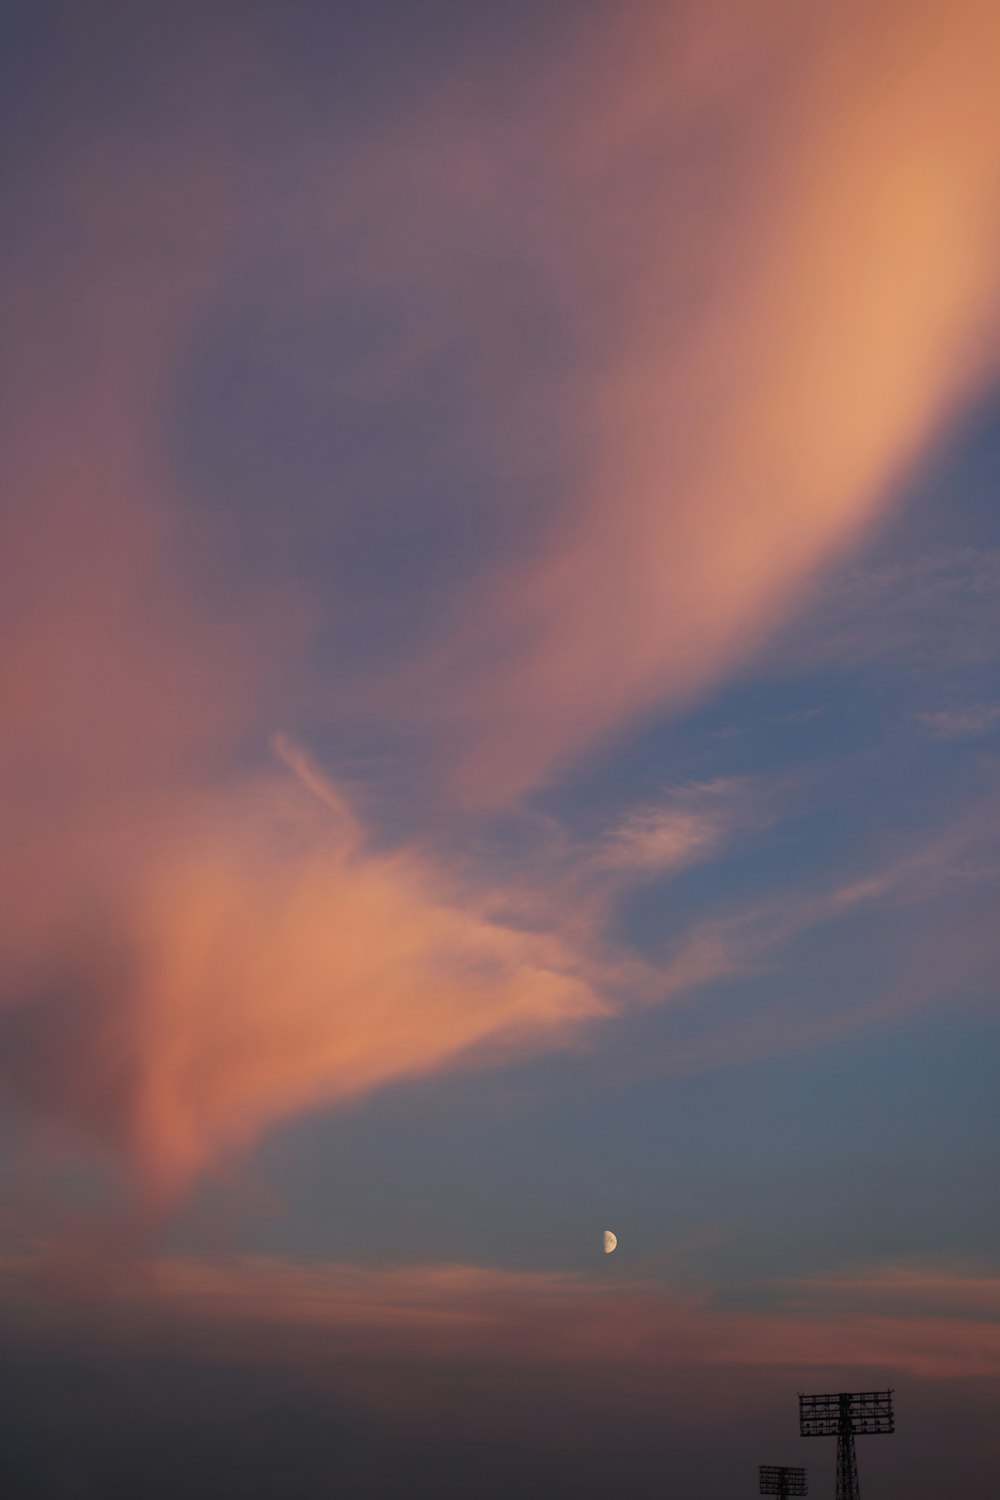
pixel 777 1479
pixel 844 1416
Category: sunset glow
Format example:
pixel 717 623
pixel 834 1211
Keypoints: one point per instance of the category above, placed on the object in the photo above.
pixel 499 619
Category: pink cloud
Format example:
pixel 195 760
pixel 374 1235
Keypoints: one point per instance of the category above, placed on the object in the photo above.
pixel 688 825
pixel 190 950
pixel 260 960
pixel 771 331
pixel 930 1325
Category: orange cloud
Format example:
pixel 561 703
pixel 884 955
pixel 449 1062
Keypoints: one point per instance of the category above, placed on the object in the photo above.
pixel 188 951
pixel 260 960
pixel 769 323
pixel 776 234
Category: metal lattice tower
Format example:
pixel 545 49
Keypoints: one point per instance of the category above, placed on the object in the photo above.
pixel 778 1479
pixel 843 1416
pixel 848 1487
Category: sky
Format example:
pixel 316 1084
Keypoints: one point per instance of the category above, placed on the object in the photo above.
pixel 500 682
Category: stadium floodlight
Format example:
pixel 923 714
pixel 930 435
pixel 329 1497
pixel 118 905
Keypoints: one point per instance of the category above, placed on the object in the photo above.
pixel 778 1479
pixel 846 1415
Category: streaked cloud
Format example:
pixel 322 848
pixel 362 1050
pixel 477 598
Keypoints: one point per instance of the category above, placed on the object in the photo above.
pixel 924 1323
pixel 907 1289
pixel 770 364
pixel 403 415
pixel 755 329
pixel 259 960
pixel 688 825
pixel 961 723
pixel 942 605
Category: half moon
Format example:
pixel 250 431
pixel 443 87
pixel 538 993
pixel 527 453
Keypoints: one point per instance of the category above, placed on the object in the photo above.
pixel 610 1241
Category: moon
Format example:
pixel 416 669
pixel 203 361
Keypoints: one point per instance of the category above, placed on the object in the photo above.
pixel 610 1241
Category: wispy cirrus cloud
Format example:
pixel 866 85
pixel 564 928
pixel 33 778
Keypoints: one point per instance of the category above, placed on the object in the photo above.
pixel 899 1319
pixel 553 1381
pixel 906 1289
pixel 687 825
pixel 768 372
pixel 192 943
pixel 256 960
pixel 193 949
pixel 961 723
pixel 942 605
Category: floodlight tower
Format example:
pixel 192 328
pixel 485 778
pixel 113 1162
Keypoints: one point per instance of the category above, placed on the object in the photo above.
pixel 844 1416
pixel 778 1479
